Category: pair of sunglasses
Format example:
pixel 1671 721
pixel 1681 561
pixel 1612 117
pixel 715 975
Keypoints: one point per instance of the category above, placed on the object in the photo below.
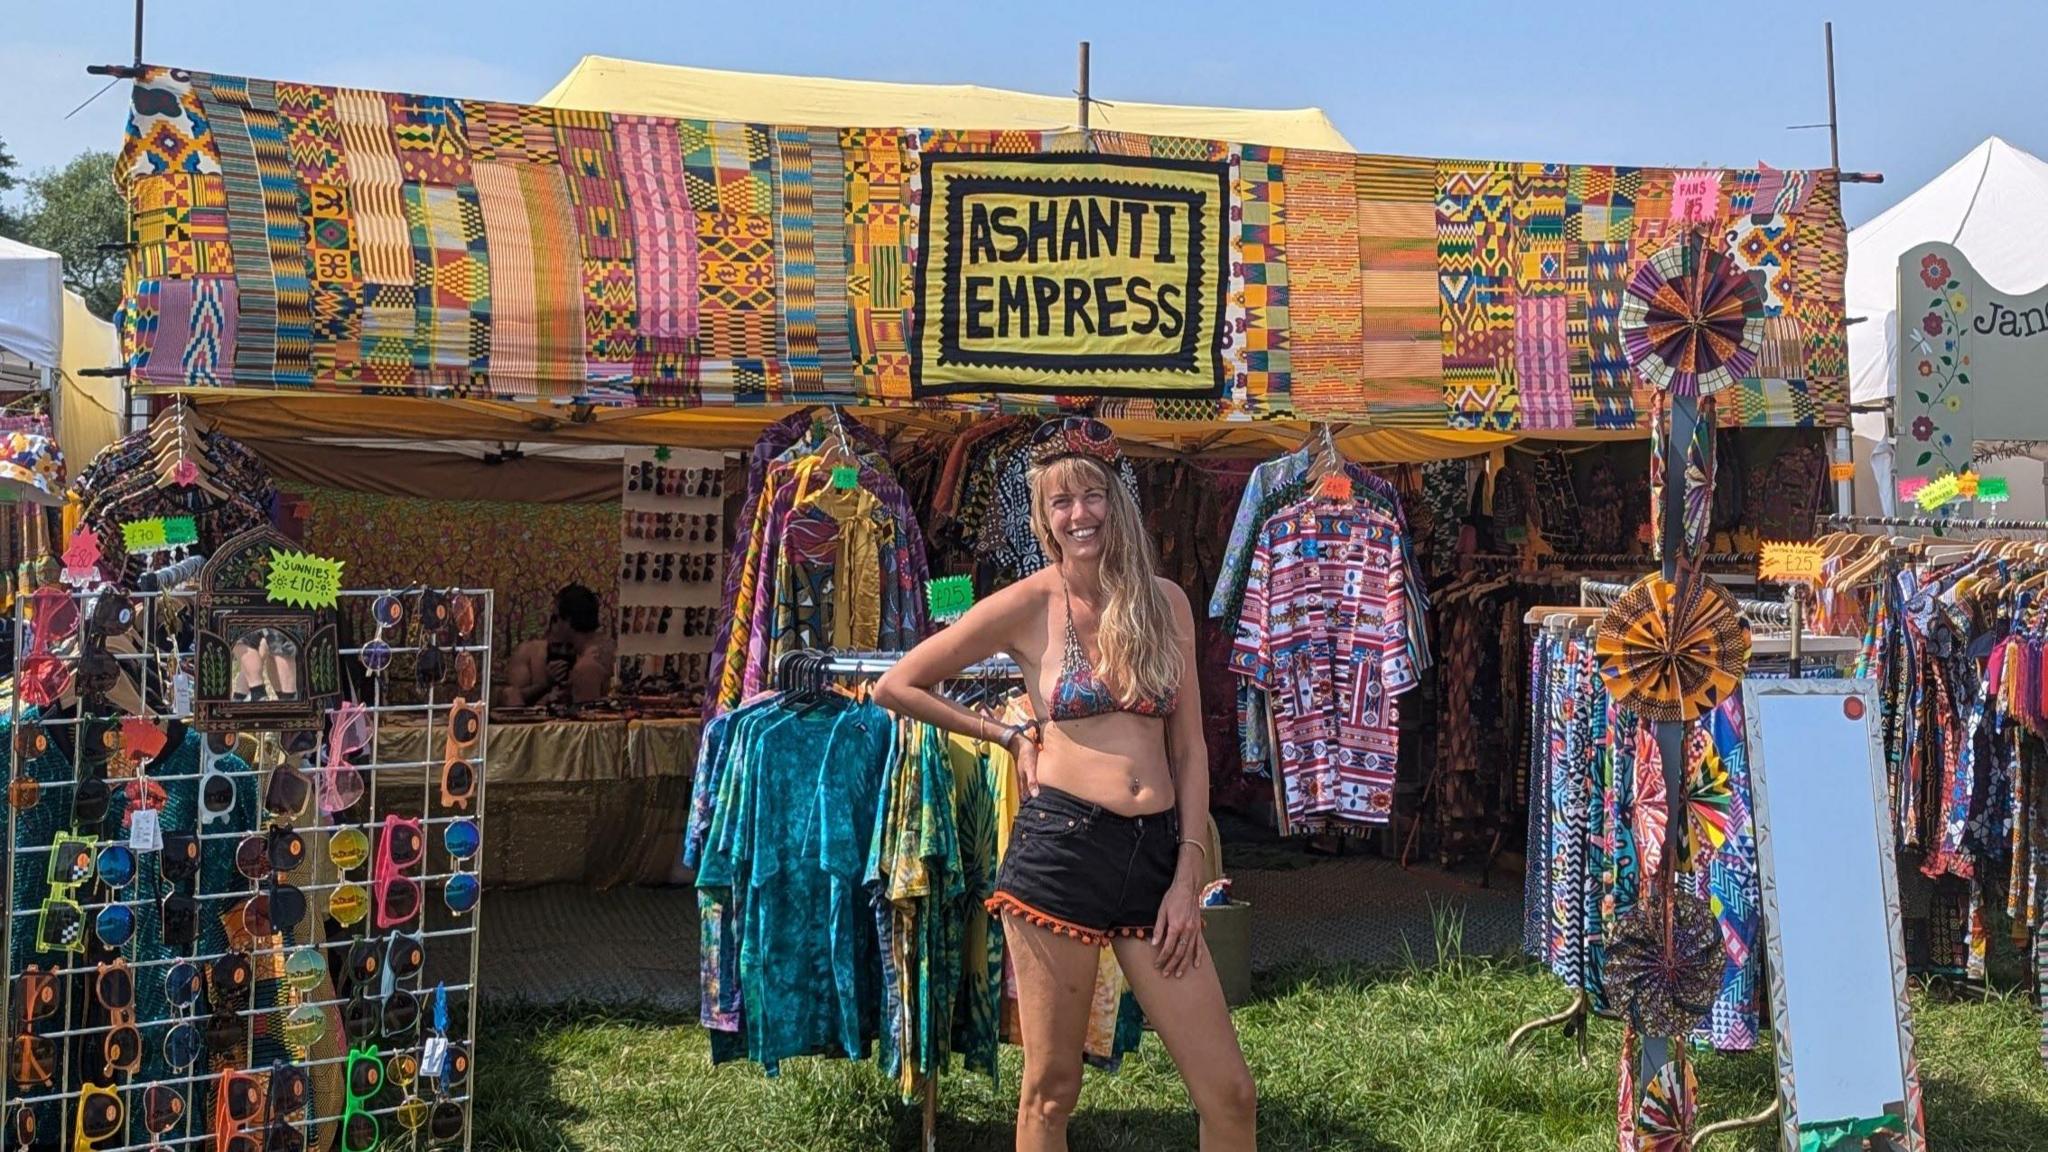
pixel 399 849
pixel 458 775
pixel 287 790
pixel 179 862
pixel 33 1056
pixel 348 733
pixel 228 984
pixel 387 612
pixel 263 854
pixel 30 743
pixel 183 986
pixel 60 925
pixel 216 787
pixel 43 677
pixel 113 985
pixel 101 1116
pixel 364 1077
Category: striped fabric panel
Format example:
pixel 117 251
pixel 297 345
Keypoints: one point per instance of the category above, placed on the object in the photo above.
pixel 796 244
pixel 515 344
pixel 1323 268
pixel 382 239
pixel 248 230
pixel 664 226
pixel 828 219
pixel 557 280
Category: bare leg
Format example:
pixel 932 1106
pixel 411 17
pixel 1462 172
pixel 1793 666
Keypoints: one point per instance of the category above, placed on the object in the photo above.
pixel 1193 1020
pixel 1055 982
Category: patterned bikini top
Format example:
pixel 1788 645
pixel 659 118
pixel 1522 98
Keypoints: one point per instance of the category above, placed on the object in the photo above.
pixel 1079 693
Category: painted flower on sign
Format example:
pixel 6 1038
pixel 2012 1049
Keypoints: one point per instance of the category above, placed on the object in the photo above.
pixel 1923 428
pixel 1958 303
pixel 1933 270
pixel 1931 324
pixel 1926 368
pixel 1953 403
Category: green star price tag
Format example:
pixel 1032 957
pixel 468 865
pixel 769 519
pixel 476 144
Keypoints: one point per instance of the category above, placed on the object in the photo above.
pixel 1993 490
pixel 662 454
pixel 845 477
pixel 145 535
pixel 303 580
pixel 180 530
pixel 949 596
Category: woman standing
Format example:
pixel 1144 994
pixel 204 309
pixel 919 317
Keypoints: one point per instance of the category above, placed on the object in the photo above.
pixel 1109 844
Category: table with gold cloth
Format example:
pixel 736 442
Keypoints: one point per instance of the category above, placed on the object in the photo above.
pixel 594 802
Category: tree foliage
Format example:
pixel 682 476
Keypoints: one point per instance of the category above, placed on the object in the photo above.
pixel 73 211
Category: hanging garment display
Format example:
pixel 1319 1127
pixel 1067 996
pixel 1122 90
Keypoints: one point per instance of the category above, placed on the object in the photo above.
pixel 832 557
pixel 1597 838
pixel 1956 648
pixel 1271 488
pixel 1323 633
pixel 842 856
pixel 177 467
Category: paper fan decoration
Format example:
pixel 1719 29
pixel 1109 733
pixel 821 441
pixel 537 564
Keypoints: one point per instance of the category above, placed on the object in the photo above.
pixel 1691 321
pixel 1700 462
pixel 1664 1122
pixel 1669 654
pixel 1667 991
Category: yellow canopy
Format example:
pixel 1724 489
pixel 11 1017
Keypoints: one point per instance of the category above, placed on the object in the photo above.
pixel 608 84
pixel 278 417
pixel 88 407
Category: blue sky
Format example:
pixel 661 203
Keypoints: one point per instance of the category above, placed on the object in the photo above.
pixel 1657 83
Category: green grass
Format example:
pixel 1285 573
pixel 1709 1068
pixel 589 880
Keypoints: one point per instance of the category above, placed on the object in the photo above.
pixel 1374 1061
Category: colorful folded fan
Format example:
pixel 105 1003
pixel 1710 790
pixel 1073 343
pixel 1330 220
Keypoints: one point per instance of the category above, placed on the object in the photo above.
pixel 1672 653
pixel 1692 322
pixel 1666 987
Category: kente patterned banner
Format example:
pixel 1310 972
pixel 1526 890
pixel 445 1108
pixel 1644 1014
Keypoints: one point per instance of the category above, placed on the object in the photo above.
pixel 295 236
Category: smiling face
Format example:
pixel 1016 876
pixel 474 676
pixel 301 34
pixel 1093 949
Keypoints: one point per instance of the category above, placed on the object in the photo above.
pixel 1075 509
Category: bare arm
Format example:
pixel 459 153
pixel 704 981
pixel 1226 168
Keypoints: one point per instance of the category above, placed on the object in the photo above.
pixel 1188 748
pixel 1177 934
pixel 992 626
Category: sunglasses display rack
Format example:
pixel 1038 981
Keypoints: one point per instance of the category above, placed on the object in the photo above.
pixel 671 570
pixel 249 941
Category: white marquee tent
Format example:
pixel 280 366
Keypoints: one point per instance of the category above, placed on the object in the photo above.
pixel 1992 204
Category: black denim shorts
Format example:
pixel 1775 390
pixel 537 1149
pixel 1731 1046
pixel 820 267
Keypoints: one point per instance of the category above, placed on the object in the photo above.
pixel 1083 871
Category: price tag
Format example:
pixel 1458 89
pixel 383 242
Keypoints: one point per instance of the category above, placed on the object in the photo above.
pixel 1910 487
pixel 1938 492
pixel 1967 484
pixel 144 833
pixel 1842 470
pixel 144 535
pixel 1791 563
pixel 180 531
pixel 845 477
pixel 434 1057
pixel 181 694
pixel 304 581
pixel 1335 486
pixel 949 596
pixel 1994 490
pixel 1519 534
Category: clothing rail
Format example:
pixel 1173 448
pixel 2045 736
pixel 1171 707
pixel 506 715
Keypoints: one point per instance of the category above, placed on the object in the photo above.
pixel 1605 559
pixel 1595 593
pixel 1936 523
pixel 997 667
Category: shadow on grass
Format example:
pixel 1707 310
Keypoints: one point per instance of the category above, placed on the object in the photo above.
pixel 1282 1128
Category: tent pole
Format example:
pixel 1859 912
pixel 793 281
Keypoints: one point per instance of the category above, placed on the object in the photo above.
pixel 1834 139
pixel 1084 87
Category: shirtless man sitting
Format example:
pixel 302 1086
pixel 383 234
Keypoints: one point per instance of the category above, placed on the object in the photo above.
pixel 571 662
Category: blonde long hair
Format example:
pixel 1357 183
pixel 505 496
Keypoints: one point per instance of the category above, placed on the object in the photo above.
pixel 1141 654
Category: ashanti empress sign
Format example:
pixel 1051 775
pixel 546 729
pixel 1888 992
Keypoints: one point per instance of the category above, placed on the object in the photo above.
pixel 1064 274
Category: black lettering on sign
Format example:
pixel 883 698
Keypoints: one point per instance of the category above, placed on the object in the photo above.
pixel 1070 274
